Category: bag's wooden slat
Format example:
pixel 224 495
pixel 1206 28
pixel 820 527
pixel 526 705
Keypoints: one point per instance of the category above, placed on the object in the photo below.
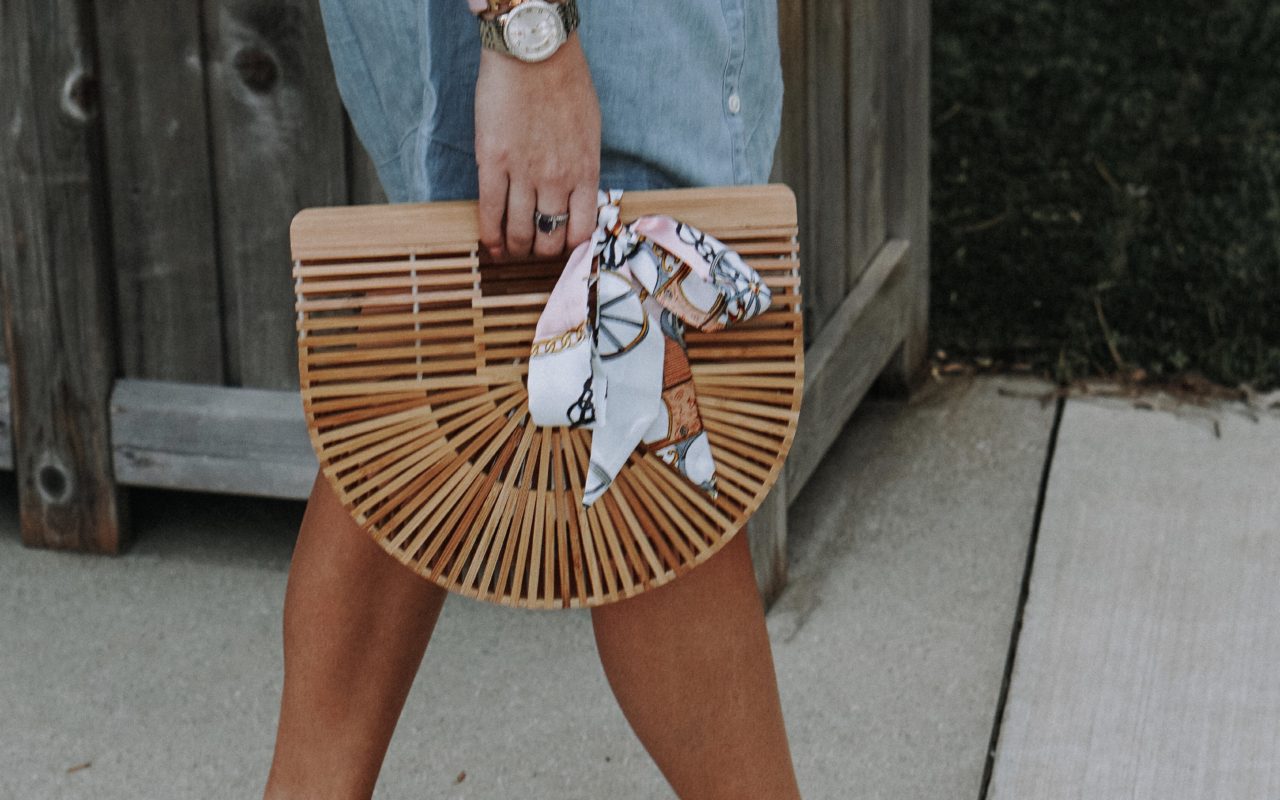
pixel 748 381
pixel 762 410
pixel 429 428
pixel 385 320
pixel 692 501
pixel 590 544
pixel 365 388
pixel 627 521
pixel 537 562
pixel 395 281
pixel 424 489
pixel 336 415
pixel 663 537
pixel 381 266
pixel 502 514
pixel 440 500
pixel 625 559
pixel 735 484
pixel 746 421
pixel 783 397
pixel 607 550
pixel 401 299
pixel 453 505
pixel 744 454
pixel 461 545
pixel 381 452
pixel 464 366
pixel 696 523
pixel 384 352
pixel 372 231
pixel 502 577
pixel 662 558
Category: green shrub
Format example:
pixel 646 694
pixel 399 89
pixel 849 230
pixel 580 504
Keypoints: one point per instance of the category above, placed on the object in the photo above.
pixel 1106 186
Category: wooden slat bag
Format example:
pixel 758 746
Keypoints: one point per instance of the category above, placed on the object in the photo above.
pixel 413 352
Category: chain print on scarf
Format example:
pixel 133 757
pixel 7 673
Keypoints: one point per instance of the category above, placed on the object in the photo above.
pixel 635 288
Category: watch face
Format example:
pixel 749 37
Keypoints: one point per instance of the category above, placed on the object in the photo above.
pixel 533 30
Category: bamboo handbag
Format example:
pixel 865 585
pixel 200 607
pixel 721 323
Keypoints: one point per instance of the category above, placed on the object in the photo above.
pixel 413 362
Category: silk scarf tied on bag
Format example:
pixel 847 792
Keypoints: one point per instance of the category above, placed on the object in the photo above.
pixel 608 353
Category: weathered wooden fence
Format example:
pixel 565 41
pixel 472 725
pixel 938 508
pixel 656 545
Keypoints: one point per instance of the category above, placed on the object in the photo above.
pixel 152 155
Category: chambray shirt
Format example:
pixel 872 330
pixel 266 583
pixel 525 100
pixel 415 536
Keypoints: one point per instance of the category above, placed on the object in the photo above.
pixel 690 90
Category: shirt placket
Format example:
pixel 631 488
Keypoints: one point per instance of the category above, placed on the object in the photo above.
pixel 731 92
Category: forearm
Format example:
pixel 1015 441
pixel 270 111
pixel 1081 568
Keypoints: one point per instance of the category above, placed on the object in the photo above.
pixel 476 6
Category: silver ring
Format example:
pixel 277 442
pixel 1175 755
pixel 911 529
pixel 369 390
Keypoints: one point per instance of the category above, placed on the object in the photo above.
pixel 547 223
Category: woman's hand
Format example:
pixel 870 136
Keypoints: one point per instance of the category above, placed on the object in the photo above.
pixel 537 147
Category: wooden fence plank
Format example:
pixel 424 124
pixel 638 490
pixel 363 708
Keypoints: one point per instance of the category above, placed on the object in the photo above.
pixel 867 99
pixel 54 276
pixel 790 165
pixel 826 277
pixel 163 244
pixel 211 439
pixel 277 145
pixel 6 434
pixel 907 25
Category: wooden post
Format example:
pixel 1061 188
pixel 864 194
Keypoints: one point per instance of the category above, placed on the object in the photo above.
pixel 825 249
pixel 54 281
pixel 868 44
pixel 767 531
pixel 907 184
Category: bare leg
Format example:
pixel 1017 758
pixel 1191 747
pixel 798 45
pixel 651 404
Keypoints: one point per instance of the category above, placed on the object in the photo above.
pixel 356 625
pixel 691 667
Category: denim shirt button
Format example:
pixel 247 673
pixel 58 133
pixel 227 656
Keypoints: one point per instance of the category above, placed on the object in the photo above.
pixel 735 104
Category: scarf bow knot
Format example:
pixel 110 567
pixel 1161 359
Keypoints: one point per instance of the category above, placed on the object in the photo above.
pixel 608 352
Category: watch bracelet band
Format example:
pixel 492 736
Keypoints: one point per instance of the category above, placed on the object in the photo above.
pixel 496 8
pixel 491 29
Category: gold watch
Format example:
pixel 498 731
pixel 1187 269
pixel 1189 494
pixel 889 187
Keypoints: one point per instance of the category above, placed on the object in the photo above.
pixel 530 30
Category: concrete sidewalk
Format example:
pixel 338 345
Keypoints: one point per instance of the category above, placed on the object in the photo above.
pixel 156 674
pixel 1146 660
